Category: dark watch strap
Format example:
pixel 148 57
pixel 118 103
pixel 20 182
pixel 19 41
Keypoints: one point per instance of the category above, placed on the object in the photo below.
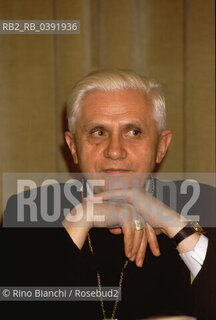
pixel 188 230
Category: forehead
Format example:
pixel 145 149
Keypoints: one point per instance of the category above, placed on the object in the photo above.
pixel 115 106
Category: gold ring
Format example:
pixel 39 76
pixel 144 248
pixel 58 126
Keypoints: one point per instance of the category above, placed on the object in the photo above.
pixel 138 224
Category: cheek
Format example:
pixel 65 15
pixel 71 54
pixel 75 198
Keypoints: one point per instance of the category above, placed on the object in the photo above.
pixel 145 156
pixel 90 156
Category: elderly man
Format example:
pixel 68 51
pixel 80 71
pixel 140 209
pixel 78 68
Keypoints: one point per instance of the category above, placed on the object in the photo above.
pixel 117 131
pixel 120 129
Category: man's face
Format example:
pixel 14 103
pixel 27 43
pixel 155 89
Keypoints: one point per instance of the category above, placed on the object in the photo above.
pixel 116 133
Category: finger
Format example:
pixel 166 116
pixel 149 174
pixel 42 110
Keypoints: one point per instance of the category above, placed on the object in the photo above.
pixel 152 240
pixel 142 250
pixel 112 194
pixel 128 240
pixel 115 230
pixel 138 236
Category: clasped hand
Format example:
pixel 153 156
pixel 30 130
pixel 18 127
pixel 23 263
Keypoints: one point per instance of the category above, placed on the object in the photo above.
pixel 117 211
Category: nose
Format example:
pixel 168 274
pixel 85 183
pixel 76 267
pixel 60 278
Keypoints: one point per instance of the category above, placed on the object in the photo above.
pixel 115 149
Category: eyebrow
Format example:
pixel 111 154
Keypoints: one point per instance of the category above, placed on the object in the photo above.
pixel 90 126
pixel 127 125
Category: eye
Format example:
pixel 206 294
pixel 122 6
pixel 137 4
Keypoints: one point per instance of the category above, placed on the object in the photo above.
pixel 134 132
pixel 97 133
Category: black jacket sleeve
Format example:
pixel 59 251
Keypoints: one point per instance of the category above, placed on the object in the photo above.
pixel 203 290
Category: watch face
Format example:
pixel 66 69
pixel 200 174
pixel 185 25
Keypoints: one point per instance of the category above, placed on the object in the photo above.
pixel 196 226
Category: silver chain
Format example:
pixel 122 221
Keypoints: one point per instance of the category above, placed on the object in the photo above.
pixel 122 271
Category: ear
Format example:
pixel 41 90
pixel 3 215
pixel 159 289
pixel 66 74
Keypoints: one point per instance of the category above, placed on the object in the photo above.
pixel 164 141
pixel 70 139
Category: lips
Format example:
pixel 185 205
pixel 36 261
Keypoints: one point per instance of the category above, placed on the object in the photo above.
pixel 116 170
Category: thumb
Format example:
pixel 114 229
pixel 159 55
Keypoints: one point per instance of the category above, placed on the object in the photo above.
pixel 115 230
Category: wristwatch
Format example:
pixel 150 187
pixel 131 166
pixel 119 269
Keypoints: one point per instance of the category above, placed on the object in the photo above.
pixel 188 230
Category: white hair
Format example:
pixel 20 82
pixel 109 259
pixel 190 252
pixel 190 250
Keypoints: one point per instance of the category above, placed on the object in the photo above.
pixel 113 80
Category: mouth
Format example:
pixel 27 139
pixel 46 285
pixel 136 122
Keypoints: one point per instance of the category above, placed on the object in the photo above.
pixel 116 170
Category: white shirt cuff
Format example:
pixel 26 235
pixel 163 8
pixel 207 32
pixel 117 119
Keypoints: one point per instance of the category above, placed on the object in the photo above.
pixel 194 259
